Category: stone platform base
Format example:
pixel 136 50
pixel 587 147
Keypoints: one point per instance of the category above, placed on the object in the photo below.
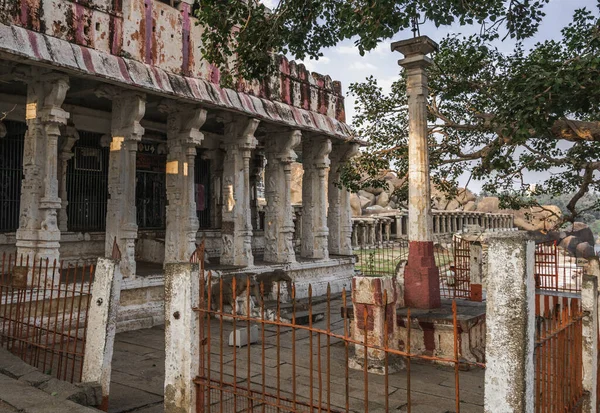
pixel 432 331
pixel 142 298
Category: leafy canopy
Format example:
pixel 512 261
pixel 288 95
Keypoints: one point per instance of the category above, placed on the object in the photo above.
pixel 242 32
pixel 501 117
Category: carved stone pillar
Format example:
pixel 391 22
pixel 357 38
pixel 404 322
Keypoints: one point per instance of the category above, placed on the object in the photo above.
pixel 315 154
pixel 339 215
pixel 421 277
pixel 279 224
pixel 127 111
pixel 216 157
pixel 236 227
pixel 183 137
pixel 67 141
pixel 38 236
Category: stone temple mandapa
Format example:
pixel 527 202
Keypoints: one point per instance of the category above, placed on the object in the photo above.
pixel 114 128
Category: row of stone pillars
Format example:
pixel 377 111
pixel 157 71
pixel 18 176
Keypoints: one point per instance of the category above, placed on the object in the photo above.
pixel 42 196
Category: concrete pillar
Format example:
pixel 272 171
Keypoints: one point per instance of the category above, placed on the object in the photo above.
pixel 476 271
pixel 339 214
pixel 454 223
pixel 183 137
pixel 589 306
pixel 315 161
pixel 236 227
pixel 181 337
pixel 127 111
pixel 279 221
pixel 66 143
pixel 368 297
pixel 102 326
pixel 216 157
pixel 421 278
pixel 444 229
pixel 355 229
pixel 38 235
pixel 510 325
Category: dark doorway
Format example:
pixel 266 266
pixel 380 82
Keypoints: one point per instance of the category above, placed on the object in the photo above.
pixel 151 195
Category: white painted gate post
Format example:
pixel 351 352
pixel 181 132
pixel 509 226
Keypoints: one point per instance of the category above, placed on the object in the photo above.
pixel 510 320
pixel 102 326
pixel 589 304
pixel 181 337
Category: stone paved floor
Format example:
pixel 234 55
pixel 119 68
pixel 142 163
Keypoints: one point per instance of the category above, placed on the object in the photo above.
pixel 138 370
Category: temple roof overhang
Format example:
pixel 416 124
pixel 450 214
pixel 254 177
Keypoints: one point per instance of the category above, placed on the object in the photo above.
pixel 26 46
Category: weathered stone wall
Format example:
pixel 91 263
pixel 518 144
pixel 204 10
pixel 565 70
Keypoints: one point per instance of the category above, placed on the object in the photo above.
pixel 157 34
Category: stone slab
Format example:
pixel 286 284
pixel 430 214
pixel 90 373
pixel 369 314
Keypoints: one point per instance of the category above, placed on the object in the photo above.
pixel 26 399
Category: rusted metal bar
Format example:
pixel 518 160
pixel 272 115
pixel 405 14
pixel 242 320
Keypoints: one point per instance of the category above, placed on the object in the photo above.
pixel 456 360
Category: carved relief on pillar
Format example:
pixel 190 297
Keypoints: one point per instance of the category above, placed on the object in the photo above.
pixel 38 235
pixel 128 109
pixel 183 137
pixel 315 153
pixel 236 225
pixel 339 214
pixel 279 220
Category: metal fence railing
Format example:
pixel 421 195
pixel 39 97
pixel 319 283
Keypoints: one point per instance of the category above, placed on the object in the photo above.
pixel 43 313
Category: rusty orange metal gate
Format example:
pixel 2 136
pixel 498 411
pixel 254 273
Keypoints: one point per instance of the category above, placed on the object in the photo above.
pixel 302 352
pixel 558 354
pixel 43 313
pixel 461 250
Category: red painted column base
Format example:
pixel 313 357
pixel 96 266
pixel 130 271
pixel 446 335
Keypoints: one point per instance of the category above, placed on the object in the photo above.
pixel 421 277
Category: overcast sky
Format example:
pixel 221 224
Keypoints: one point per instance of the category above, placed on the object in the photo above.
pixel 345 64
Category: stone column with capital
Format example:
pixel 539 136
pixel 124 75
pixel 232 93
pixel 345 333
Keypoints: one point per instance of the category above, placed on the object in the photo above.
pixel 236 226
pixel 315 161
pixel 256 173
pixel 421 278
pixel 279 221
pixel 38 235
pixel 128 109
pixel 339 215
pixel 66 143
pixel 183 137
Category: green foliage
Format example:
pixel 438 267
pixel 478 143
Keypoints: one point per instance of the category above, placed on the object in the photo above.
pixel 499 117
pixel 242 32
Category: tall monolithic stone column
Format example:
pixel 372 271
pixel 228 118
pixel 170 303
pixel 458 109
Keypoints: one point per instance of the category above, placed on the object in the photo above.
pixel 279 220
pixel 315 161
pixel 236 226
pixel 421 277
pixel 121 223
pixel 339 214
pixel 38 236
pixel 183 137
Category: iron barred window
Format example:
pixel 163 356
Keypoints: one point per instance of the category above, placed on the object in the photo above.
pixel 87 184
pixel 11 174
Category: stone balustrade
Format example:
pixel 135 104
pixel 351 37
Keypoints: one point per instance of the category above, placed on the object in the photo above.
pixel 379 228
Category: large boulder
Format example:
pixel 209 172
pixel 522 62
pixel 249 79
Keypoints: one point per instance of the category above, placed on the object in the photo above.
pixel 383 199
pixel 488 204
pixel 366 194
pixel 585 250
pixel 542 218
pixel 582 231
pixel 397 183
pixel 365 202
pixel 355 205
pixel 297 173
pixel 570 244
pixel 441 202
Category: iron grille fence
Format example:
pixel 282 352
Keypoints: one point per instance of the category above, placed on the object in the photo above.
pixel 558 354
pixel 556 270
pixel 43 313
pixel 11 174
pixel 300 362
pixel 87 184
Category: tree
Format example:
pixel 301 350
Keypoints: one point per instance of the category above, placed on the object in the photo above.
pixel 500 117
pixel 242 31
